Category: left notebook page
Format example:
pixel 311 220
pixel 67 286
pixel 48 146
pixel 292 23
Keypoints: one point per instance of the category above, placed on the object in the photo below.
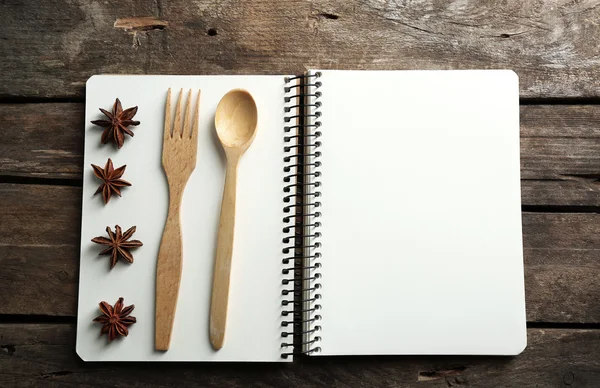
pixel 255 298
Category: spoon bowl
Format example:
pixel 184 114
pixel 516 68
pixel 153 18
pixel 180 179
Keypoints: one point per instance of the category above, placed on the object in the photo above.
pixel 235 122
pixel 236 119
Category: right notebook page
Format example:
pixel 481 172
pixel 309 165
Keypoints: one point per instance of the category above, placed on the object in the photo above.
pixel 420 213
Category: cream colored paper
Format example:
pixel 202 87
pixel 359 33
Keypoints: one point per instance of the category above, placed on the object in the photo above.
pixel 421 213
pixel 254 321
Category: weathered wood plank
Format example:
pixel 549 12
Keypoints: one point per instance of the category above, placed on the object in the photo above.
pixel 39 249
pixel 50 48
pixel 42 140
pixel 39 256
pixel 44 356
pixel 560 148
pixel 560 155
pixel 562 267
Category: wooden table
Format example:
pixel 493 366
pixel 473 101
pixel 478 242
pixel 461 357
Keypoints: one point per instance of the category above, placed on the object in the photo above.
pixel 48 49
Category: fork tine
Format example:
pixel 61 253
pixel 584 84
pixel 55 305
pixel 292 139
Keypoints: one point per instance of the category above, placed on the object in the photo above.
pixel 194 133
pixel 177 125
pixel 167 130
pixel 186 119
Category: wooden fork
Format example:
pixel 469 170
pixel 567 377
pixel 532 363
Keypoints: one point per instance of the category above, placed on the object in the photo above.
pixel 180 145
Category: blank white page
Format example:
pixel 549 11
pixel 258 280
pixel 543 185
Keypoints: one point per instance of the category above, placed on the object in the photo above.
pixel 254 318
pixel 421 216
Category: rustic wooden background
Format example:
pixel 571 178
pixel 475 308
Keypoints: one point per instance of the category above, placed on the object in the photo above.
pixel 48 49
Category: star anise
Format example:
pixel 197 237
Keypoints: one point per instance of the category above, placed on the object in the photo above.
pixel 111 182
pixel 116 126
pixel 115 319
pixel 118 244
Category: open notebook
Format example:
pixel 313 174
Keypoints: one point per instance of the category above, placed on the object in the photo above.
pixel 378 213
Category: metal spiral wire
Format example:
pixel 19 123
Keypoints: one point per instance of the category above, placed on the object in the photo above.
pixel 301 189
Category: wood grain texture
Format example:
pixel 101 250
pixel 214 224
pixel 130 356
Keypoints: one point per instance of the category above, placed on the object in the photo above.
pixel 42 140
pixel 235 123
pixel 39 249
pixel 562 267
pixel 180 146
pixel 43 356
pixel 560 155
pixel 39 259
pixel 560 148
pixel 50 48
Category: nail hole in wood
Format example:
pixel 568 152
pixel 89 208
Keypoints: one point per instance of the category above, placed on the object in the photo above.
pixel 10 349
pixel 328 16
pixel 211 32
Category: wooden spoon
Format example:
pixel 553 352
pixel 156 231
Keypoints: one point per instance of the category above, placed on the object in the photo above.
pixel 235 122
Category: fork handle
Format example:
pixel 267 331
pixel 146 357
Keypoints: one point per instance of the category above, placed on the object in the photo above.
pixel 168 273
pixel 222 270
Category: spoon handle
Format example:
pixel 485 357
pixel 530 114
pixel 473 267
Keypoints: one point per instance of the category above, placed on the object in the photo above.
pixel 222 270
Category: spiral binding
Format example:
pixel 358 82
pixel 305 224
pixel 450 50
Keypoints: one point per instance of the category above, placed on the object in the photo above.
pixel 301 181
